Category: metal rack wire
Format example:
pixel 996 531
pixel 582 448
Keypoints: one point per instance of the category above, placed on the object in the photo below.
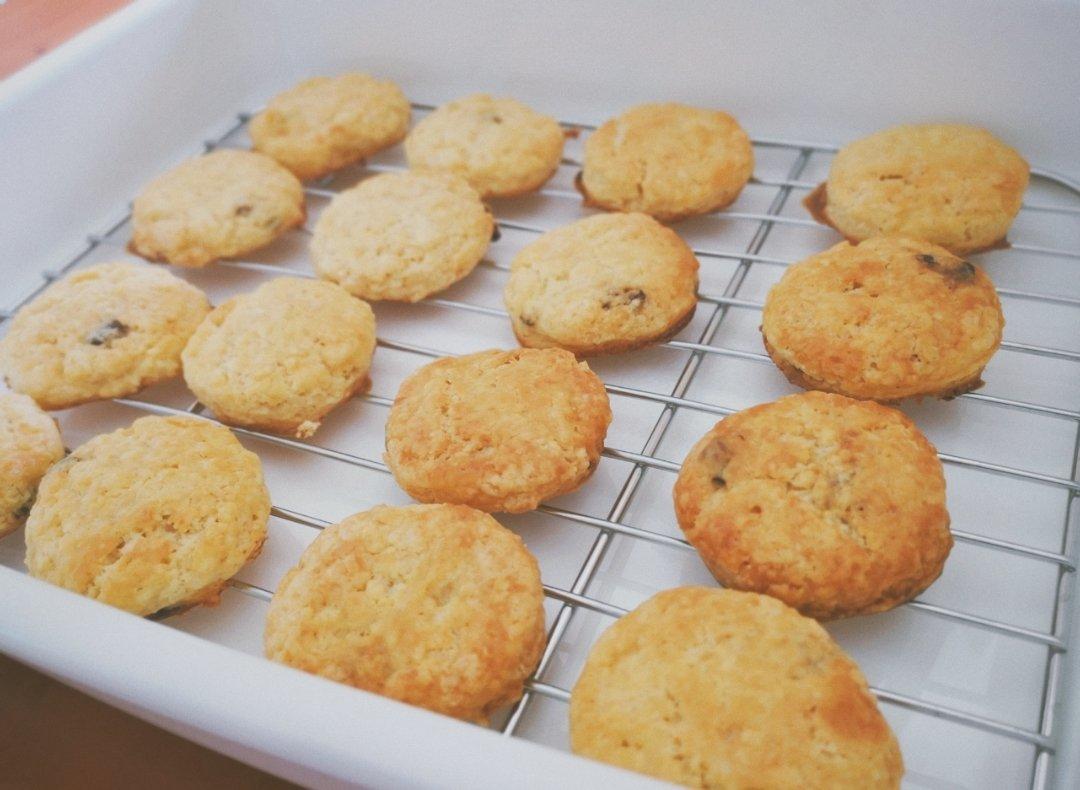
pixel 718 307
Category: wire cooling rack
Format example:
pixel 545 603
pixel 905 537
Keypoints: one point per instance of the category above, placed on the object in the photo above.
pixel 969 675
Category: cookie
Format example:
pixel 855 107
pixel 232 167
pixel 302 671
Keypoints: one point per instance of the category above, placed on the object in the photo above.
pixel 327 123
pixel 283 356
pixel 402 236
pixel 435 605
pixel 221 205
pixel 886 319
pixel 953 185
pixel 502 147
pixel 603 284
pixel 152 518
pixel 835 506
pixel 29 445
pixel 105 331
pixel 668 160
pixel 724 689
pixel 498 430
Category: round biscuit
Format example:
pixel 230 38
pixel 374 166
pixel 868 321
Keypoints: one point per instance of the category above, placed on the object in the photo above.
pixel 717 688
pixel 152 518
pixel 497 430
pixel 435 605
pixel 326 123
pixel 835 506
pixel 29 444
pixel 402 236
pixel 281 357
pixel 105 331
pixel 221 205
pixel 886 319
pixel 603 284
pixel 501 146
pixel 668 160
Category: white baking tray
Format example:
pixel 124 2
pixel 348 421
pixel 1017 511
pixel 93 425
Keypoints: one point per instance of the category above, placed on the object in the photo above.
pixel 975 704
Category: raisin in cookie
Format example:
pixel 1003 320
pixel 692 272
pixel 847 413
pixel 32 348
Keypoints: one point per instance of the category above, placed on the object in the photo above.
pixel 402 236
pixel 105 331
pixel 886 319
pixel 326 123
pixel 220 205
pixel 835 506
pixel 603 284
pixel 498 430
pixel 29 445
pixel 501 146
pixel 435 605
pixel 953 185
pixel 668 160
pixel 281 357
pixel 724 689
pixel 152 518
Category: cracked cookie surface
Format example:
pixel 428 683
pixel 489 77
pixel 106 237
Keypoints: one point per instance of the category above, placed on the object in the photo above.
pixel 29 445
pixel 497 430
pixel 326 123
pixel 835 506
pixel 722 689
pixel 500 146
pixel 953 185
pixel 221 205
pixel 402 236
pixel 603 284
pixel 886 319
pixel 105 331
pixel 281 357
pixel 151 518
pixel 435 605
pixel 668 160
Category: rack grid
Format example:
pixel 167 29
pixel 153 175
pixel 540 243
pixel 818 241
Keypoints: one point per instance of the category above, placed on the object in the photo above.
pixel 716 307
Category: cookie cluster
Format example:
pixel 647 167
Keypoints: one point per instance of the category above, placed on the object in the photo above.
pixel 820 505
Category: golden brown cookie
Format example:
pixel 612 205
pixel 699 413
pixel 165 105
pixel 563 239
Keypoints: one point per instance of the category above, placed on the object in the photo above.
pixel 501 146
pixel 953 185
pixel 29 445
pixel 105 331
pixel 603 284
pixel 886 319
pixel 722 689
pixel 326 123
pixel 835 506
pixel 668 160
pixel 498 430
pixel 221 205
pixel 152 518
pixel 402 236
pixel 435 605
pixel 283 356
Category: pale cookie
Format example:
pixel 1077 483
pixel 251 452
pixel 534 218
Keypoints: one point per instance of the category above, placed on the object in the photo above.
pixel 105 331
pixel 153 518
pixel 498 430
pixel 603 284
pixel 283 356
pixel 221 205
pixel 29 445
pixel 722 689
pixel 835 506
pixel 402 236
pixel 668 160
pixel 502 147
pixel 953 185
pixel 435 605
pixel 327 123
pixel 887 319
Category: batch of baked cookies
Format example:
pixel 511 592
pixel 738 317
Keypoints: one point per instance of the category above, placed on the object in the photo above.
pixel 820 505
